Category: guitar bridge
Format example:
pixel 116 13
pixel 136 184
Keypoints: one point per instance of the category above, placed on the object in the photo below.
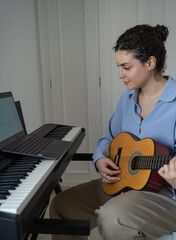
pixel 117 157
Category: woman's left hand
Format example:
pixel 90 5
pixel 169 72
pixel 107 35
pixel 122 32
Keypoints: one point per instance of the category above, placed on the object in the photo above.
pixel 168 172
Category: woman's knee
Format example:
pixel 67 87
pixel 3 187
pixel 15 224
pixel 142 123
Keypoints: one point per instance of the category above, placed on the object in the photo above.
pixel 108 218
pixel 114 218
pixel 113 210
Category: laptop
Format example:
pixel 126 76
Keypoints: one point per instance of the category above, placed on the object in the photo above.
pixel 13 138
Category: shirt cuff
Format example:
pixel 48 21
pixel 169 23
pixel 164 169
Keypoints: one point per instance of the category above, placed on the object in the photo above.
pixel 174 193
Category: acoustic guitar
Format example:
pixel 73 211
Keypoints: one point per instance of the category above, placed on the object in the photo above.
pixel 138 161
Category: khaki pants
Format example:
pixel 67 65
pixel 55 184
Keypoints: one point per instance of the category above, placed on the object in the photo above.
pixel 130 215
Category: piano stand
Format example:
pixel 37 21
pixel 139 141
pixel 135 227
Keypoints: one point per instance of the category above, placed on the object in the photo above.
pixel 82 157
pixel 61 226
pixel 58 187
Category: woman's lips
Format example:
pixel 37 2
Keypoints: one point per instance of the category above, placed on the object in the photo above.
pixel 126 82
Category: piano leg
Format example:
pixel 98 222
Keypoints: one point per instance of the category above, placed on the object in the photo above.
pixel 61 226
pixel 33 236
pixel 58 187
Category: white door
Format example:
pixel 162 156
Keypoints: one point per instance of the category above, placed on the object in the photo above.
pixel 68 34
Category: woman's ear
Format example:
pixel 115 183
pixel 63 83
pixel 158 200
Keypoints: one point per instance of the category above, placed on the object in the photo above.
pixel 151 63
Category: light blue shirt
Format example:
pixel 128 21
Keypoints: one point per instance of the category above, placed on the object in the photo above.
pixel 159 124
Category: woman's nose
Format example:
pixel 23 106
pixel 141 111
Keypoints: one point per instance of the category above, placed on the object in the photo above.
pixel 120 73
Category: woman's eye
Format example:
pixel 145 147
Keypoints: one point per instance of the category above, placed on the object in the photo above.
pixel 127 68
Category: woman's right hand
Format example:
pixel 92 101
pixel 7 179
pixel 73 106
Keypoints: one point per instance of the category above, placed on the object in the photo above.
pixel 108 170
pixel 168 172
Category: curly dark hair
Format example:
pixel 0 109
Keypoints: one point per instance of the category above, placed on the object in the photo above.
pixel 144 41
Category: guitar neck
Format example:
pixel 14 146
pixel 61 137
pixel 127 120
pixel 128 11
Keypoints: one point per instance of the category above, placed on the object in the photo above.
pixel 150 162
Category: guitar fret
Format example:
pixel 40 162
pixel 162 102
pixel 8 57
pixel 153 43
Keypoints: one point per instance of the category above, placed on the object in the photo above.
pixel 146 162
pixel 157 161
pixel 163 160
pixel 151 163
pixel 150 160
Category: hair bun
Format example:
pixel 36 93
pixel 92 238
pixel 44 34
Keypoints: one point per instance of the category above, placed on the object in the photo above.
pixel 162 32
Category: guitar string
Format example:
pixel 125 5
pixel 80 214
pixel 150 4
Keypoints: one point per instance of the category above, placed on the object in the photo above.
pixel 147 162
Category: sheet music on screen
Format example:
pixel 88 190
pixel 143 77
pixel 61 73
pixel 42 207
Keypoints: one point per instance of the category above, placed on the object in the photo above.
pixel 10 123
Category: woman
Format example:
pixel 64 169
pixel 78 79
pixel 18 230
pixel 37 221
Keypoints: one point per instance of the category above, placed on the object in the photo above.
pixel 147 110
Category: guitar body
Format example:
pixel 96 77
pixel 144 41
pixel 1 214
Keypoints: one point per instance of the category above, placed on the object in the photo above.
pixel 148 180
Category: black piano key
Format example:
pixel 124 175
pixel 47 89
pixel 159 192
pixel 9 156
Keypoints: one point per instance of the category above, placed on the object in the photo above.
pixel 27 161
pixel 19 170
pixel 17 177
pixel 13 174
pixel 9 181
pixel 24 165
pixel 4 192
pixel 5 184
pixel 59 132
pixel 3 197
pixel 9 187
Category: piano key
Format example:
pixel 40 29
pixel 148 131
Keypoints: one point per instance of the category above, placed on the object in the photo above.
pixel 3 196
pixel 4 192
pixel 21 195
pixel 24 163
pixel 8 184
pixel 19 170
pixel 8 187
pixel 13 174
pixel 64 133
pixel 18 167
pixel 9 181
pixel 4 178
pixel 59 132
pixel 72 134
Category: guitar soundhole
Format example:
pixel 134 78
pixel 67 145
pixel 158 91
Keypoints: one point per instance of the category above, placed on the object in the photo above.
pixel 133 163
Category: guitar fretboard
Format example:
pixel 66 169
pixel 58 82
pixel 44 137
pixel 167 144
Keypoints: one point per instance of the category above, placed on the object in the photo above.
pixel 149 162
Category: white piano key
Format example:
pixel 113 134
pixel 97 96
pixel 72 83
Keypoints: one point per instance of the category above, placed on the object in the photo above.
pixel 72 134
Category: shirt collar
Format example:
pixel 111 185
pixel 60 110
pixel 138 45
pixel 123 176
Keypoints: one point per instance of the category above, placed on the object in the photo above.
pixel 168 94
pixel 134 94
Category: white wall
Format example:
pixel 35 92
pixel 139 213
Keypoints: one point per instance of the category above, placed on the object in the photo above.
pixel 19 58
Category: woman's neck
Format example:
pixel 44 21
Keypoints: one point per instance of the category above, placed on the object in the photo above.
pixel 149 95
pixel 154 87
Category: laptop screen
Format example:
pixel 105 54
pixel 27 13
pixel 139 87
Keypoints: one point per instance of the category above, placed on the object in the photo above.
pixel 10 123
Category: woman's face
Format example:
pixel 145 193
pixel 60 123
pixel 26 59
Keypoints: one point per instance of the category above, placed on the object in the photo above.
pixel 133 73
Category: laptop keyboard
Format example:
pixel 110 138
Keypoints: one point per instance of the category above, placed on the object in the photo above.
pixel 32 145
